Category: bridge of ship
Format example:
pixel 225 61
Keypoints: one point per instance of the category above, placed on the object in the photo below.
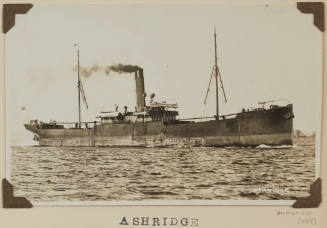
pixel 155 112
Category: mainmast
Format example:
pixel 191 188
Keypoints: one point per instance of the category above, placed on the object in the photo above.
pixel 79 90
pixel 216 76
pixel 215 72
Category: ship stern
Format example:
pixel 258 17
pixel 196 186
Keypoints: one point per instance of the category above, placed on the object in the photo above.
pixel 34 129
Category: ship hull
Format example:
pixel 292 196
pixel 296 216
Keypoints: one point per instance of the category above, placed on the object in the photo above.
pixel 270 127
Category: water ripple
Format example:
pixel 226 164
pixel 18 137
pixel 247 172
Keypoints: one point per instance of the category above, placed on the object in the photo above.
pixel 199 173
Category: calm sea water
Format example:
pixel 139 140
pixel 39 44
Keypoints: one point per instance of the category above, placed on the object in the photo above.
pixel 197 173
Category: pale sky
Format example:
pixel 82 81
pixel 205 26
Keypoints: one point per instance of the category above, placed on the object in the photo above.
pixel 264 53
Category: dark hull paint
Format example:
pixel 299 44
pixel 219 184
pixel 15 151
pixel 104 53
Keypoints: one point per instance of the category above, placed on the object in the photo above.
pixel 270 127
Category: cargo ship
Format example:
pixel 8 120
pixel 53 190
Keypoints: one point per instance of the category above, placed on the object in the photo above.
pixel 157 123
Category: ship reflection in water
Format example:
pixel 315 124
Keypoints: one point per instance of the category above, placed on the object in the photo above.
pixel 129 173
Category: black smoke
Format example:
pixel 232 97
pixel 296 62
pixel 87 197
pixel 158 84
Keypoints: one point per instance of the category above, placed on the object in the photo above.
pixel 118 68
pixel 121 68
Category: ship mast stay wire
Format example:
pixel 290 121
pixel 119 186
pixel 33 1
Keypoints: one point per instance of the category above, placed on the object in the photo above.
pixel 208 90
pixel 221 83
pixel 84 101
pixel 83 95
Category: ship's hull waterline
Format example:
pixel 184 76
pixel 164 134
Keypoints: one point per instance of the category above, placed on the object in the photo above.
pixel 151 141
pixel 269 127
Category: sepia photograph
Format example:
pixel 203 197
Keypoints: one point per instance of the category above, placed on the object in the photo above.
pixel 163 104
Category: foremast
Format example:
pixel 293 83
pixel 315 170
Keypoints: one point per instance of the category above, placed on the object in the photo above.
pixel 80 90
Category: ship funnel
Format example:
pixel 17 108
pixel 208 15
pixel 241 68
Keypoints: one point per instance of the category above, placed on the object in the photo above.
pixel 140 91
